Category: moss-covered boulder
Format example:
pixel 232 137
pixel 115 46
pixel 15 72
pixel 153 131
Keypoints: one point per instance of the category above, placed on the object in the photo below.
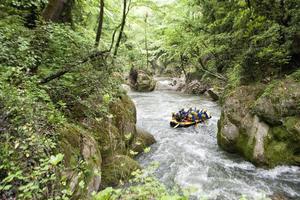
pixel 116 169
pixel 142 140
pixel 80 150
pixel 124 114
pixel 141 81
pixel 109 138
pixel 261 122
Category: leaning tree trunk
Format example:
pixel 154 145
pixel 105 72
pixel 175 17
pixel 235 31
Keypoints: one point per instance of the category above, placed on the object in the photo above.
pixel 122 27
pixel 59 11
pixel 100 23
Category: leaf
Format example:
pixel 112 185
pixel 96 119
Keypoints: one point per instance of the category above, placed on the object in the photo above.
pixel 81 184
pixel 128 136
pixel 54 160
pixel 106 99
pixel 147 150
pixel 133 152
pixel 104 194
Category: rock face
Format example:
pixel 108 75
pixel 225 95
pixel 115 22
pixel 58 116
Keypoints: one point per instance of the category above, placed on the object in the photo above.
pixel 262 123
pixel 141 81
pixel 104 146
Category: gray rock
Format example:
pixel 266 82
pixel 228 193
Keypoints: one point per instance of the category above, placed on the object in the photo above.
pixel 141 81
pixel 213 94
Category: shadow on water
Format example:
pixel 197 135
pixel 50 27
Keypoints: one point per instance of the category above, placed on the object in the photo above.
pixel 191 157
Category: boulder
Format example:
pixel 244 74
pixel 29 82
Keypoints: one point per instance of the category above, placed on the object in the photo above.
pixel 262 123
pixel 76 142
pixel 195 87
pixel 213 94
pixel 279 100
pixel 141 81
pixel 118 168
pixel 104 144
pixel 142 140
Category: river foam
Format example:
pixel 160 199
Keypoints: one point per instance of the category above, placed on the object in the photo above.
pixel 191 157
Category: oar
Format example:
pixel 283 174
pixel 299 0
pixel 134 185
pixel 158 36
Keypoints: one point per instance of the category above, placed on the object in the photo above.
pixel 176 125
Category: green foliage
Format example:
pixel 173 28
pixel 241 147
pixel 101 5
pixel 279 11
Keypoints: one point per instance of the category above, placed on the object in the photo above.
pixel 32 115
pixel 296 75
pixel 143 186
pixel 28 137
pixel 258 38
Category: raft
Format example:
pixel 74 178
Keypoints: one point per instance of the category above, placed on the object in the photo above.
pixel 175 124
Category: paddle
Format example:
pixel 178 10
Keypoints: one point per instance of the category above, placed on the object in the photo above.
pixel 176 125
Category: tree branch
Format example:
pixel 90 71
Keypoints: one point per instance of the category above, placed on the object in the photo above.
pixel 68 68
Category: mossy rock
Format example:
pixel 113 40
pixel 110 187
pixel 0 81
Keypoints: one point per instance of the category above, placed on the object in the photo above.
pixel 108 137
pixel 245 146
pixel 78 144
pixel 283 144
pixel 227 134
pixel 142 140
pixel 278 153
pixel 124 114
pixel 279 100
pixel 142 81
pixel 292 125
pixel 117 168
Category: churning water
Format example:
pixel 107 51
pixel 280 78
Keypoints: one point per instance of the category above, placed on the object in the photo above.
pixel 191 158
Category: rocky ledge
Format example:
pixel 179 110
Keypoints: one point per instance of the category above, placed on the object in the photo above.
pixel 262 123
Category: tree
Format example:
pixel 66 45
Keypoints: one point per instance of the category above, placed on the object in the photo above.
pixel 59 11
pixel 125 13
pixel 100 23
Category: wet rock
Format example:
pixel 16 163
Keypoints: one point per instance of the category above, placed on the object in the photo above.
pixel 228 134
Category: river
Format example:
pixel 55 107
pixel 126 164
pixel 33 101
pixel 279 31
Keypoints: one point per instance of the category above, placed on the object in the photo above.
pixel 191 158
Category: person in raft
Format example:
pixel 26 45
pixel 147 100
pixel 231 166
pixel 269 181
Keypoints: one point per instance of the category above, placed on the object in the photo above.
pixel 191 115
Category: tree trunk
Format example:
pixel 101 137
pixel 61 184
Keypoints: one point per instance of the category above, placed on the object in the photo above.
pixel 182 66
pixel 122 26
pixel 59 11
pixel 100 24
pixel 146 42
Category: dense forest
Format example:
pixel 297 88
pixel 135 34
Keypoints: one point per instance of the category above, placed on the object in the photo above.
pixel 67 126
